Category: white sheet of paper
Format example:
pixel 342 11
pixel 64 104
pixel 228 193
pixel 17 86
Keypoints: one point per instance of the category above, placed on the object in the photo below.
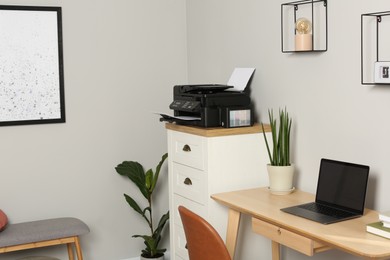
pixel 240 78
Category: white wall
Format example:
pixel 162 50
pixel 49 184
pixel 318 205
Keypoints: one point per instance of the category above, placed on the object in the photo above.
pixel 121 59
pixel 334 115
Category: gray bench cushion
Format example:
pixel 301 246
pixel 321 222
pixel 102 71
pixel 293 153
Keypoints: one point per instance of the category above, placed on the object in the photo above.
pixel 41 230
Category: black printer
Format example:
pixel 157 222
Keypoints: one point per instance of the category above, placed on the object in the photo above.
pixel 211 105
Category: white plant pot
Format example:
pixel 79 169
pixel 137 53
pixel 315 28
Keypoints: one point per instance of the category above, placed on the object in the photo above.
pixel 157 258
pixel 281 179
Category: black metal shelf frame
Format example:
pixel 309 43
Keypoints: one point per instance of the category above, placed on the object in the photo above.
pixel 296 5
pixel 379 17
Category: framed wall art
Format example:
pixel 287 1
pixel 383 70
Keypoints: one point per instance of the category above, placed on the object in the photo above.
pixel 31 65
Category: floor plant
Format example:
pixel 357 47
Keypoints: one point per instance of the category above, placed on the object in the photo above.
pixel 146 183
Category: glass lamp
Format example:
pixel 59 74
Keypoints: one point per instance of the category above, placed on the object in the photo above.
pixel 303 36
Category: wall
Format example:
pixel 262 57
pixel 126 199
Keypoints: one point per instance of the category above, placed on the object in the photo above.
pixel 334 115
pixel 121 59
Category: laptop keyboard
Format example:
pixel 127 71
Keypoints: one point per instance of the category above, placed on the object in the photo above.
pixel 322 209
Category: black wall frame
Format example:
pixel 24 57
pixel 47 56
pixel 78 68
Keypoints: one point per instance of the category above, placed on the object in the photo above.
pixel 295 5
pixel 31 65
pixel 365 61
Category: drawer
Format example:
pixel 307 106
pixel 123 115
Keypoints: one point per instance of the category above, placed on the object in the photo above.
pixel 189 183
pixel 199 209
pixel 180 243
pixel 187 149
pixel 287 238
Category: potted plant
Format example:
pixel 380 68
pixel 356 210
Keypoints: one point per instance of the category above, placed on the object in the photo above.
pixel 280 169
pixel 146 183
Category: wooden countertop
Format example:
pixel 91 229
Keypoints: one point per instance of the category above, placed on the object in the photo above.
pixel 217 131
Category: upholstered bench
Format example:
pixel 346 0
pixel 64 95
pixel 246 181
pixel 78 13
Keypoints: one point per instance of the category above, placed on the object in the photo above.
pixel 43 233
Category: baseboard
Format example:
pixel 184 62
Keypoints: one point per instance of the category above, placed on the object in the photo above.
pixel 166 257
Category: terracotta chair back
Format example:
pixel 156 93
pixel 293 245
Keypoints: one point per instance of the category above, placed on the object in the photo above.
pixel 203 241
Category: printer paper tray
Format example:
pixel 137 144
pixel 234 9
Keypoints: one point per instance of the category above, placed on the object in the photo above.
pixel 184 120
pixel 167 117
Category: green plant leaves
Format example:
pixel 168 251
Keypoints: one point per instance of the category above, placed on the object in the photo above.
pixel 158 168
pixel 149 180
pixel 161 224
pixel 146 183
pixel 280 132
pixel 133 204
pixel 135 172
pixel 151 242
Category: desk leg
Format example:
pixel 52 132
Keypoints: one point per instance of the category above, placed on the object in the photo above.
pixel 275 250
pixel 232 231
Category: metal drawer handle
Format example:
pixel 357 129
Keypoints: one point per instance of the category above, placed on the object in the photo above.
pixel 186 148
pixel 187 181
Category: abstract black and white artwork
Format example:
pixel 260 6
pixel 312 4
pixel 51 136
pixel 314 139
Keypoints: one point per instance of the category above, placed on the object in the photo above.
pixel 31 65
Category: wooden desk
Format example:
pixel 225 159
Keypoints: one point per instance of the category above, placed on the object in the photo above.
pixel 302 235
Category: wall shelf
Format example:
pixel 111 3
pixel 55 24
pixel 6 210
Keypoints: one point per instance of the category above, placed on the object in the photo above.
pixel 316 11
pixel 373 48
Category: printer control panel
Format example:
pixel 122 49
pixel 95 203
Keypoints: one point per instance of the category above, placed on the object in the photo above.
pixel 185 105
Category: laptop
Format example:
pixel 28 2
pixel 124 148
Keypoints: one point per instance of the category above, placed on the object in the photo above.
pixel 341 193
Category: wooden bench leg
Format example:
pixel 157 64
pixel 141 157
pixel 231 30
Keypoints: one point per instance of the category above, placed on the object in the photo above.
pixel 78 249
pixel 76 243
pixel 70 251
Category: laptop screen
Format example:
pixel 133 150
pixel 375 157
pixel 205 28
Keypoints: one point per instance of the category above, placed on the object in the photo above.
pixel 342 185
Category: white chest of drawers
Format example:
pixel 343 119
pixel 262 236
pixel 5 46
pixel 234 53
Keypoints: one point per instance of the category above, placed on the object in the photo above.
pixel 204 161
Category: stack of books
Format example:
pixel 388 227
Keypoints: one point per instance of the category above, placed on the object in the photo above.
pixel 382 227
